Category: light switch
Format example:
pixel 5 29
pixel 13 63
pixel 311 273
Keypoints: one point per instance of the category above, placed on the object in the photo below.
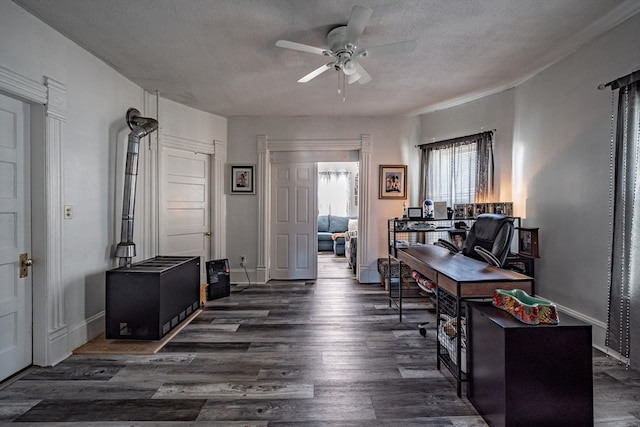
pixel 68 212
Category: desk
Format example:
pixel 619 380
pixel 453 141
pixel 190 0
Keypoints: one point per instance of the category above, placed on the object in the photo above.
pixel 462 278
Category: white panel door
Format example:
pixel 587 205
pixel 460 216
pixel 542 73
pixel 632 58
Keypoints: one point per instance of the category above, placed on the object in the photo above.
pixel 15 238
pixel 293 212
pixel 184 212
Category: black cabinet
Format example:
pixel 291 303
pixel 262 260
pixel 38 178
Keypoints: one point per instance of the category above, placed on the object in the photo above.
pixel 526 375
pixel 148 299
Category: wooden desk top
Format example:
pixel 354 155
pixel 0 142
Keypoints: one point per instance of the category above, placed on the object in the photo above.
pixel 460 275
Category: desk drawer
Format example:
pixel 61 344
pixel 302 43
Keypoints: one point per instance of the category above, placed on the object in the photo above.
pixel 447 284
pixel 481 289
pixel 427 272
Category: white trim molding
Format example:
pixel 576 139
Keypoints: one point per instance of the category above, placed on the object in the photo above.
pixel 263 183
pixel 218 217
pixel 200 147
pixel 54 125
pixel 50 333
pixel 23 87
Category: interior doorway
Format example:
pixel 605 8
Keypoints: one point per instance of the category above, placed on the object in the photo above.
pixel 271 152
pixel 338 199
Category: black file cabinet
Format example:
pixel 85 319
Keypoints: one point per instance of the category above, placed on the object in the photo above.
pixel 527 375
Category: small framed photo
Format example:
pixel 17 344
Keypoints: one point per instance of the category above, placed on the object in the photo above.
pixel 414 213
pixel 242 178
pixel 508 208
pixel 393 182
pixel 440 210
pixel 459 211
pixel 498 208
pixel 469 211
pixel 528 242
pixel 479 209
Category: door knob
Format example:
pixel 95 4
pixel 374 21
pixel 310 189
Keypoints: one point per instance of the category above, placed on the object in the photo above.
pixel 25 263
pixel 208 234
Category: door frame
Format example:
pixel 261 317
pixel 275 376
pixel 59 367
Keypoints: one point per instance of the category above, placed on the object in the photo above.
pixel 48 103
pixel 217 197
pixel 265 147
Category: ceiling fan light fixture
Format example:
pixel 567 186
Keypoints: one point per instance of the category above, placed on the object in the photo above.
pixel 343 41
pixel 350 67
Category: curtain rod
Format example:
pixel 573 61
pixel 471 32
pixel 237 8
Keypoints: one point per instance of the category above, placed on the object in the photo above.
pixel 621 81
pixel 451 140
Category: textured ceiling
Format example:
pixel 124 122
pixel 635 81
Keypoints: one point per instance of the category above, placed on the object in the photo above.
pixel 220 55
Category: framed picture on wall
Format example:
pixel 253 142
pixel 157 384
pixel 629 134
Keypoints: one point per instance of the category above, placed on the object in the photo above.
pixel 242 179
pixel 393 182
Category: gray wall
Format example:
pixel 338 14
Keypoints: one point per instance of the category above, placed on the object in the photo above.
pixel 391 137
pixel 553 138
pixel 94 133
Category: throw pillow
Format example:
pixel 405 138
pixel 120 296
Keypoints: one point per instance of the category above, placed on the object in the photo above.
pixel 323 223
pixel 338 224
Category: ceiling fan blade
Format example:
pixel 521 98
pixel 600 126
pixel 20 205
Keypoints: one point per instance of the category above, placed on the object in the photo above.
pixel 357 21
pixel 315 73
pixel 388 49
pixel 361 76
pixel 302 47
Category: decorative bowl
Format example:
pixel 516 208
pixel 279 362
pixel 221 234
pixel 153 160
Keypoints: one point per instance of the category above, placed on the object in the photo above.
pixel 525 308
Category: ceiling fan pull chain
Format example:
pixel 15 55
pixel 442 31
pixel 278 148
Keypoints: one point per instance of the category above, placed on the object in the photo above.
pixel 344 88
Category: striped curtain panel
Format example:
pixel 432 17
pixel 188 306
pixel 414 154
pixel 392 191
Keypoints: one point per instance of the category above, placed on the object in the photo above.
pixel 623 326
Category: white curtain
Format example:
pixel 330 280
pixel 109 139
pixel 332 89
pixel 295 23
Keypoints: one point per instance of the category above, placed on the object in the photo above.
pixel 334 193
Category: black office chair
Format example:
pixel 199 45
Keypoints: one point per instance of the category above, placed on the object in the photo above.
pixel 489 239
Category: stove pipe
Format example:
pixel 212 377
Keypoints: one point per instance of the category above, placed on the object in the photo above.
pixel 140 127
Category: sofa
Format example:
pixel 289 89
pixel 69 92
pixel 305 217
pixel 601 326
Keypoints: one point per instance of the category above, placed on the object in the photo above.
pixel 331 232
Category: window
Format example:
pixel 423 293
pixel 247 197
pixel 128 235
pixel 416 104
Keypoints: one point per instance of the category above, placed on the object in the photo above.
pixel 334 193
pixel 459 170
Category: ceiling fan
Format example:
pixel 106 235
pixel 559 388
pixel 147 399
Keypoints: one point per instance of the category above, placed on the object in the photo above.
pixel 343 48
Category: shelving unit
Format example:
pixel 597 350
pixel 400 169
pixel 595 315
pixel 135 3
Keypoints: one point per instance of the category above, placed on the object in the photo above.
pixel 403 232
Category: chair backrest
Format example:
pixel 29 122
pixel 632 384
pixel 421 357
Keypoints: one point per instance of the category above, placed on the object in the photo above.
pixel 492 232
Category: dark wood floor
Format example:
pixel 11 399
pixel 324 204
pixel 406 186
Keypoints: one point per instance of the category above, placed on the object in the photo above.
pixel 325 353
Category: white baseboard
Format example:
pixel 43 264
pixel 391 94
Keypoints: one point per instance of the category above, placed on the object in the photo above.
pixel 366 275
pixel 85 331
pixel 598 332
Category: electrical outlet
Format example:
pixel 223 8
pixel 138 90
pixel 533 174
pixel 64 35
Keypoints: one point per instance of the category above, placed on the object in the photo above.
pixel 243 260
pixel 68 211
